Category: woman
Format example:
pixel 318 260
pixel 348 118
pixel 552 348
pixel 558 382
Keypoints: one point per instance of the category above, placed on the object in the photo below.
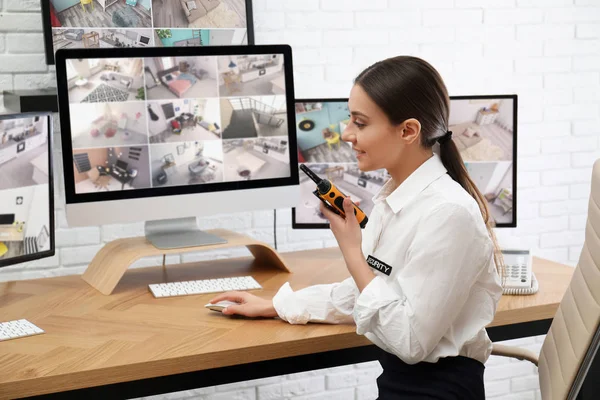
pixel 425 278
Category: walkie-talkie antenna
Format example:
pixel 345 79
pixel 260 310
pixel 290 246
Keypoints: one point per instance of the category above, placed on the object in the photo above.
pixel 310 174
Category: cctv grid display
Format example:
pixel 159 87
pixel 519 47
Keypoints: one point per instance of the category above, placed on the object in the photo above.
pixel 484 130
pixel 164 122
pixel 72 24
pixel 26 197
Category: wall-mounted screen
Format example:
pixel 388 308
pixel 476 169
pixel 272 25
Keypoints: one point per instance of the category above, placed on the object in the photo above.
pixel 75 24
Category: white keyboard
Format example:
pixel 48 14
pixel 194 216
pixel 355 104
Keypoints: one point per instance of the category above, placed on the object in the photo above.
pixel 203 286
pixel 18 328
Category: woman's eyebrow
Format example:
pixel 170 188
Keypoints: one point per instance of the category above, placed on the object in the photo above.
pixel 358 113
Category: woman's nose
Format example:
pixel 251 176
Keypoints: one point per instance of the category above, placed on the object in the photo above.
pixel 347 136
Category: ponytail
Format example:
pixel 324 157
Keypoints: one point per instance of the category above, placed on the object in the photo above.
pixel 455 166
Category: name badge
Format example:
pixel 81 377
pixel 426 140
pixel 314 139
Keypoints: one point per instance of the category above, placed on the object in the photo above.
pixel 379 265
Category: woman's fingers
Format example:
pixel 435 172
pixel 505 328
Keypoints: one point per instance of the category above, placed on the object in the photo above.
pixel 349 210
pixel 238 297
pixel 330 215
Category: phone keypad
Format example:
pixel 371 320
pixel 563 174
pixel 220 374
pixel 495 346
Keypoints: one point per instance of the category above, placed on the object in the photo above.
pixel 518 271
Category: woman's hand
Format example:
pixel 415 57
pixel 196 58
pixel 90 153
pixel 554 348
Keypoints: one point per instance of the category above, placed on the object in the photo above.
pixel 249 304
pixel 349 237
pixel 346 230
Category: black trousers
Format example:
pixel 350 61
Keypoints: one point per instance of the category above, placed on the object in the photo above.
pixel 449 378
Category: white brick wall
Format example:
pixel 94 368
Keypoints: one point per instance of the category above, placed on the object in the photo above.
pixel 546 51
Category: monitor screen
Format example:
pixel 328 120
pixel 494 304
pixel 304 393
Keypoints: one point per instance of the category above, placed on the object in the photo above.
pixel 484 130
pixel 26 196
pixel 141 23
pixel 7 219
pixel 171 123
pixel 121 164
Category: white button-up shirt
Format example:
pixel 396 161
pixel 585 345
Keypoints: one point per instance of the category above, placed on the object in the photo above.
pixel 436 287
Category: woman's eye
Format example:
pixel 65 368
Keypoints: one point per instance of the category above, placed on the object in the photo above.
pixel 355 122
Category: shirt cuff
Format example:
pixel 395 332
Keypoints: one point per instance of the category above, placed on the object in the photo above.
pixel 287 306
pixel 374 296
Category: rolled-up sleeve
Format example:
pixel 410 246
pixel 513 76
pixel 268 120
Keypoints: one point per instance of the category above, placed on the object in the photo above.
pixel 444 260
pixel 331 303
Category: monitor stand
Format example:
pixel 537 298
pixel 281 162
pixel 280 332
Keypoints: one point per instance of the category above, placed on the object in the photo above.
pixel 111 262
pixel 178 233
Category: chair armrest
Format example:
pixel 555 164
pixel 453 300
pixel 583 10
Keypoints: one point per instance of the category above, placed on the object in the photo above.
pixel 514 352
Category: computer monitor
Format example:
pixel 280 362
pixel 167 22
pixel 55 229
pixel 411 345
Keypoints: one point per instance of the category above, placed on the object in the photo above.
pixel 26 188
pixel 484 130
pixel 212 132
pixel 144 23
pixel 121 164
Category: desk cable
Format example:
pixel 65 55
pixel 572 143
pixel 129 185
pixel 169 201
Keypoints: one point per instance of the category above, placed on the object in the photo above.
pixel 275 227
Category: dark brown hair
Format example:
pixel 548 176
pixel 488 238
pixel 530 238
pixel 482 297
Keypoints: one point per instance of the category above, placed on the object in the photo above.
pixel 407 87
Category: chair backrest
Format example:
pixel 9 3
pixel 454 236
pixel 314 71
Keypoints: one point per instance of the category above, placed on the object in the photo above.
pixel 573 337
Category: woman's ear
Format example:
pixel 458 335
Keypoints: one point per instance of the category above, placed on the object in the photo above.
pixel 410 130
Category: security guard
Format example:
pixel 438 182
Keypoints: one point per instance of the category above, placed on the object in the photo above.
pixel 425 278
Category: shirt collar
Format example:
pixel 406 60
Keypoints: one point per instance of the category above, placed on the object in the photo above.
pixel 427 173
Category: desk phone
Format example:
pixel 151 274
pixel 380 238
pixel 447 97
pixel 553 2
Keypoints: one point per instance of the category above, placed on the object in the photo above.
pixel 518 274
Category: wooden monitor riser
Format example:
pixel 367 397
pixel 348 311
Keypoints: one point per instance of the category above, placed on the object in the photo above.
pixel 110 263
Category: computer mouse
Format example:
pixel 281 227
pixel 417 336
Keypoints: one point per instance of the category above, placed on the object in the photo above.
pixel 220 305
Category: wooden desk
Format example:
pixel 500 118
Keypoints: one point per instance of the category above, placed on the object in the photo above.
pixel 91 39
pixel 10 233
pixel 130 344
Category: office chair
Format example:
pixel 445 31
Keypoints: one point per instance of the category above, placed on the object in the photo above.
pixel 574 336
